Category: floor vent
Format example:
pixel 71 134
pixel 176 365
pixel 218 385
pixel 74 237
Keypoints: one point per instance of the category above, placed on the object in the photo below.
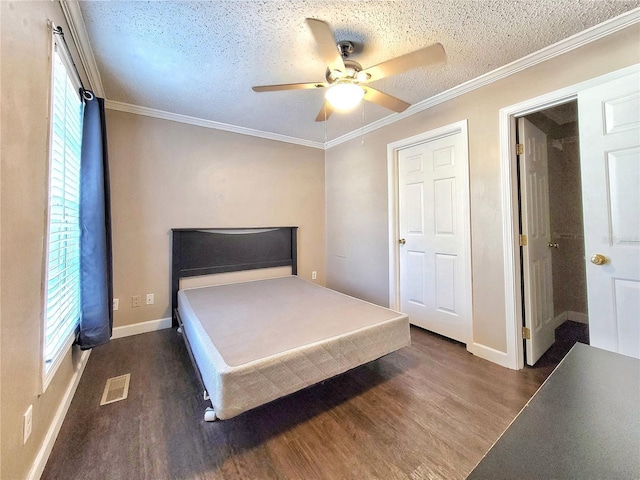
pixel 116 389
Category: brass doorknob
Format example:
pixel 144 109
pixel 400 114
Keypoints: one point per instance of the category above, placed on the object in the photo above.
pixel 598 259
pixel 402 241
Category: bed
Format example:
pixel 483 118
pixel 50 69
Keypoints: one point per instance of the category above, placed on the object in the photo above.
pixel 254 341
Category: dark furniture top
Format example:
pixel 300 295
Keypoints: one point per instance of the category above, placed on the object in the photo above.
pixel 205 251
pixel 583 423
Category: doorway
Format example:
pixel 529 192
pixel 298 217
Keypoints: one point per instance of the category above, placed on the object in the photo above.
pixel 553 273
pixel 609 119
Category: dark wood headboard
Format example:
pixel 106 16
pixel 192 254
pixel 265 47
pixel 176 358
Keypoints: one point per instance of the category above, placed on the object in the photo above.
pixel 205 251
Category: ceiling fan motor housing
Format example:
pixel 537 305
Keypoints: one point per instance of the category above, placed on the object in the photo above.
pixel 352 69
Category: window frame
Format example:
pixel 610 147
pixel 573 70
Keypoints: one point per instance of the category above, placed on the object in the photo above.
pixel 57 47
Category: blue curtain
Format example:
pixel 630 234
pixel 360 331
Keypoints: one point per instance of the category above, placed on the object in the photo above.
pixel 96 271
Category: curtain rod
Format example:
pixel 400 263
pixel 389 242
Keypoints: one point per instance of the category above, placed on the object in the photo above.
pixel 58 31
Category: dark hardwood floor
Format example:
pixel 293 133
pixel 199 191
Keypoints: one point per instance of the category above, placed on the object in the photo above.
pixel 430 410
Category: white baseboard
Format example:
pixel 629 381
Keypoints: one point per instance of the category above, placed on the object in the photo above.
pixel 50 438
pixel 47 445
pixel 143 327
pixel 578 317
pixel 573 316
pixel 491 354
pixel 560 319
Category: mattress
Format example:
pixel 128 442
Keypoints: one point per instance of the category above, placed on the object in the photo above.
pixel 254 342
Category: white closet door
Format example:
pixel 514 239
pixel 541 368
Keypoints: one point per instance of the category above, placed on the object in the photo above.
pixel 434 262
pixel 536 255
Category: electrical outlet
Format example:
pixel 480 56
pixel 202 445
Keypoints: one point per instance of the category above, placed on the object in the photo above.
pixel 116 304
pixel 150 299
pixel 27 424
pixel 135 301
pixel 314 275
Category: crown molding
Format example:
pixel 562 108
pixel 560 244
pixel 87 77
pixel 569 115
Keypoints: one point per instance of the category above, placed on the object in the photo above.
pixel 78 30
pixel 563 46
pixel 200 122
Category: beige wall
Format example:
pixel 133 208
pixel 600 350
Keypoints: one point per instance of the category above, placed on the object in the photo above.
pixel 166 175
pixel 356 182
pixel 24 76
pixel 565 201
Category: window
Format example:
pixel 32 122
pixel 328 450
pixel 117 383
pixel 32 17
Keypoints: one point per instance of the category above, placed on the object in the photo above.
pixel 62 277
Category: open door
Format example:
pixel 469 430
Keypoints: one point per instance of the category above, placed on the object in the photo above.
pixel 536 253
pixel 609 117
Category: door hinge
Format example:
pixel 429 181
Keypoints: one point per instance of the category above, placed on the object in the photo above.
pixel 519 149
pixel 526 333
pixel 523 240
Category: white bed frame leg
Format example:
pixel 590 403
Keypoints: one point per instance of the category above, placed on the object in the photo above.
pixel 205 395
pixel 179 329
pixel 210 415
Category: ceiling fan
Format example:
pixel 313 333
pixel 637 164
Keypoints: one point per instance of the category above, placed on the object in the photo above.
pixel 346 79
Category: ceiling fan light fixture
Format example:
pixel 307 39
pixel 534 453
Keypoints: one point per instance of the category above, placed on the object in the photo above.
pixel 344 95
pixel 362 76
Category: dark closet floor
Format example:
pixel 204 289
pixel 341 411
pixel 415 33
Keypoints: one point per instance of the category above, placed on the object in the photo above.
pixel 567 335
pixel 430 410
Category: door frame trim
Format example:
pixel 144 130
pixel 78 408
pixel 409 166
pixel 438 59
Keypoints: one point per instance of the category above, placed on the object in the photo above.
pixel 509 194
pixel 394 205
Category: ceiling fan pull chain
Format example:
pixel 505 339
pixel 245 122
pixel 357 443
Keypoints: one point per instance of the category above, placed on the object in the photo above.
pixel 325 125
pixel 362 126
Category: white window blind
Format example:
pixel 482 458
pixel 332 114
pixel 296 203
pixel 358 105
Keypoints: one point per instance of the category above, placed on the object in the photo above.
pixel 62 308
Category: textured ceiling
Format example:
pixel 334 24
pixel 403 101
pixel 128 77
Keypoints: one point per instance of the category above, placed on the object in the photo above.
pixel 201 58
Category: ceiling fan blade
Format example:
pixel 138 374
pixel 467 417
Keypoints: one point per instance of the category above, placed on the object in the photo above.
pixel 327 45
pixel 325 112
pixel 420 58
pixel 288 86
pixel 384 99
